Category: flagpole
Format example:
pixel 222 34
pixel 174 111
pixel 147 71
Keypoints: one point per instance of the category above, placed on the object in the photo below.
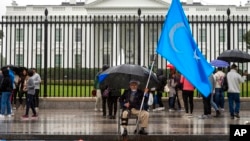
pixel 149 76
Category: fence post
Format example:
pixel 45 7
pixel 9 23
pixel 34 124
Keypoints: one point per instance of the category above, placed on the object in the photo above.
pixel 45 51
pixel 228 30
pixel 139 36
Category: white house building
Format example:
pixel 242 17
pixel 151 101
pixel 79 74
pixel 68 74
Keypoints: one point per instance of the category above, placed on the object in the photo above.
pixel 20 40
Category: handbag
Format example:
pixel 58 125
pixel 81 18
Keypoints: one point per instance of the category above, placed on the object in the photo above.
pixel 93 93
pixel 150 99
pixel 166 88
pixel 106 92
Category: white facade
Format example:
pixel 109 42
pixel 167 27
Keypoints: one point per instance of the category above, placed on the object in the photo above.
pixel 114 8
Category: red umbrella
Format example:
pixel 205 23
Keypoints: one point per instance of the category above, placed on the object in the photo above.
pixel 170 66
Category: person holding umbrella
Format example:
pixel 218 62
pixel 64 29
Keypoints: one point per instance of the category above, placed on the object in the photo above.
pixel 219 93
pixel 234 79
pixel 100 100
pixel 131 101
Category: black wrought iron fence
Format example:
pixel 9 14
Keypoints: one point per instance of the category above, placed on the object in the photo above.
pixel 68 51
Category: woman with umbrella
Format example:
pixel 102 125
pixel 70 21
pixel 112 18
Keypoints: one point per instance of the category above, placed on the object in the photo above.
pixel 219 93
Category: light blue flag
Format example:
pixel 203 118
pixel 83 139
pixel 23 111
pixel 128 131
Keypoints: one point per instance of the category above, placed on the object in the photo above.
pixel 177 45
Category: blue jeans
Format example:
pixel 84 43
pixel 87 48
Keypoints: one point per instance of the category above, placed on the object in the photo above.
pixel 213 104
pixel 234 98
pixel 172 101
pixel 5 103
pixel 219 97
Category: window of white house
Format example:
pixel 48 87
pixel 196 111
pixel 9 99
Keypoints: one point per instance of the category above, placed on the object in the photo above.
pixel 58 35
pixel 38 61
pixel 38 35
pixel 78 60
pixel 241 33
pixel 19 35
pixel 78 37
pixel 107 35
pixel 58 60
pixel 19 60
pixel 203 35
pixel 222 35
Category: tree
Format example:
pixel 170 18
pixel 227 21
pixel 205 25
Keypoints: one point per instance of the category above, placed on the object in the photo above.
pixel 246 38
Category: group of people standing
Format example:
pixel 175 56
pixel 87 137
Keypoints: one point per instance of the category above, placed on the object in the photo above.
pixel 216 99
pixel 13 85
pixel 180 89
pixel 109 100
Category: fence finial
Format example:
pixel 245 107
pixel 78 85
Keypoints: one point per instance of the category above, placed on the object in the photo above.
pixel 228 12
pixel 139 12
pixel 46 12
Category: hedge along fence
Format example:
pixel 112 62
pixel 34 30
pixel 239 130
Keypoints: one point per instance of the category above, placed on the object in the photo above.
pixel 68 82
pixel 69 73
pixel 79 82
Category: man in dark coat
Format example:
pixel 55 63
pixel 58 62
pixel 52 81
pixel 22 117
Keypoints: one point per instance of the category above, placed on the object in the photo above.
pixel 131 102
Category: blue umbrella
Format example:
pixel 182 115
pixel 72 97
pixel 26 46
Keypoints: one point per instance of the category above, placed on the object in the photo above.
pixel 219 63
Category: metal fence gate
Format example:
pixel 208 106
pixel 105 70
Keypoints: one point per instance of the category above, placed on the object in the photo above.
pixel 69 50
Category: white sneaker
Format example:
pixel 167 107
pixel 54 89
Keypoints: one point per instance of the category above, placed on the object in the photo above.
pixel 9 115
pixel 96 109
pixel 101 110
pixel 161 108
pixel 181 110
pixel 1 116
pixel 171 110
pixel 154 109
pixel 203 117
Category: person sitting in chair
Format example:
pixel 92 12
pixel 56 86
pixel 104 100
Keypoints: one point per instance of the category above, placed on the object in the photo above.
pixel 131 101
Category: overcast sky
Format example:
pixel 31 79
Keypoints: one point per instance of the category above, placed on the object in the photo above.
pixel 4 3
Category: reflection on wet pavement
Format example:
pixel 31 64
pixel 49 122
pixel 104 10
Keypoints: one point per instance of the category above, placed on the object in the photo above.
pixel 88 122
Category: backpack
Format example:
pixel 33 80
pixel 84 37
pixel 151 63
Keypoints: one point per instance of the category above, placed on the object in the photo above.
pixel 224 84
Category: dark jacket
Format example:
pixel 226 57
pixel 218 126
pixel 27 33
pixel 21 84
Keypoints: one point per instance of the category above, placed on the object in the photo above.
pixel 162 80
pixel 7 85
pixel 115 92
pixel 137 99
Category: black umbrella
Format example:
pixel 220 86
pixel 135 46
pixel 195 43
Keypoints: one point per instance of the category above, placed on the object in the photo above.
pixel 234 56
pixel 14 68
pixel 119 76
pixel 9 66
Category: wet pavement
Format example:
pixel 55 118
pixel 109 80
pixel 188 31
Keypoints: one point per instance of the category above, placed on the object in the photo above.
pixel 86 124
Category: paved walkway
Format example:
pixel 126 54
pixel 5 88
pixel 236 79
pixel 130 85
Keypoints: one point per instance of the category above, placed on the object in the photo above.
pixel 69 124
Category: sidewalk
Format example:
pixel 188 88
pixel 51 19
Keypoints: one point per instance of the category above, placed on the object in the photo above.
pixel 86 124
